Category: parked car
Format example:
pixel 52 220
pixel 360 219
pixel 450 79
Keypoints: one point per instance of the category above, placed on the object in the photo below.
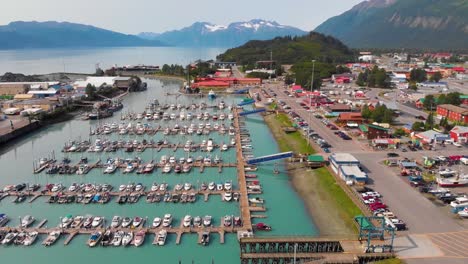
pixel 392 155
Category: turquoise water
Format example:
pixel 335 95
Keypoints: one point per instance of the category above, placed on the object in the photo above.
pixel 286 212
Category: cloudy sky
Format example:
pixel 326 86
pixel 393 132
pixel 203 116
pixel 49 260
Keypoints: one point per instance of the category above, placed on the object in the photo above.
pixel 160 15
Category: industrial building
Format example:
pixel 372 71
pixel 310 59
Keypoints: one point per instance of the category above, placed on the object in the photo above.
pixel 347 167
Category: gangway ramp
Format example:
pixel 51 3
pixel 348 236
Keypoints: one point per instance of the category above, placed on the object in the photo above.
pixel 277 156
pixel 246 102
pixel 252 112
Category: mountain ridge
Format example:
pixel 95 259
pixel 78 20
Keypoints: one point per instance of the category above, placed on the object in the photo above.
pixel 424 24
pixel 234 34
pixel 53 34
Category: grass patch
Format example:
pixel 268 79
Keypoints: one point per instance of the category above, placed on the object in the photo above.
pixel 290 141
pixel 348 210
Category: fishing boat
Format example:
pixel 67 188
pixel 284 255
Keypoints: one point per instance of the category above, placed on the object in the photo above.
pixel 228 185
pixel 3 220
pixel 197 221
pixel 211 95
pixel 116 221
pixel 139 238
pixel 162 235
pixel 149 168
pixel 137 221
pixel 111 168
pixel 167 221
pixel 66 221
pixel 117 240
pixel 227 220
pixel 256 200
pixel 236 196
pixel 88 222
pixel 156 222
pixel 130 168
pixel 205 238
pixel 94 239
pixel 107 238
pixel 77 221
pixel 211 186
pixel 127 238
pixel 187 221
pixel 227 196
pixel 97 221
pixel 262 227
pixel 207 220
pixel 9 238
pixel 167 168
pixel 52 238
pixel 237 221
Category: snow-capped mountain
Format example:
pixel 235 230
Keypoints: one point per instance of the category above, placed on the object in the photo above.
pixel 234 34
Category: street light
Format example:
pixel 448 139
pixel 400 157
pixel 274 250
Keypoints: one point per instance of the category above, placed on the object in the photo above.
pixel 310 99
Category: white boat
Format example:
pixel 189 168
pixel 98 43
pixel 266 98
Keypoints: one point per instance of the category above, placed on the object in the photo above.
pixel 127 238
pixel 228 185
pixel 224 147
pixel 209 145
pixel 139 238
pixel 227 196
pixel 130 168
pixel 187 221
pixel 167 168
pixel 207 220
pixel 197 221
pixel 116 220
pixel 117 240
pixel 52 238
pixel 157 222
pixel 219 187
pixel 27 221
pixel 66 221
pixel 154 187
pixel 162 235
pixel 126 222
pixel 137 221
pixel 447 173
pixel 30 238
pixel 77 221
pixel 230 116
pixel 211 186
pixel 97 221
pixel 187 186
pixel 167 221
pixel 256 200
pixel 111 168
pixel 9 238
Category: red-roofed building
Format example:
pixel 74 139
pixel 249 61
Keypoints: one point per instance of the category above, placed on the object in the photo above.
pixel 458 69
pixel 459 134
pixel 350 117
pixel 214 84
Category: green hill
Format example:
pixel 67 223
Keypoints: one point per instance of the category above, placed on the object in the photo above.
pixel 290 50
pixel 420 24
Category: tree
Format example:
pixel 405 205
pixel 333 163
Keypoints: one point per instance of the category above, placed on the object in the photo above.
pixel 429 102
pixel 436 77
pixel 90 91
pixel 361 79
pixel 366 112
pixel 429 121
pixel 418 75
pixel 342 69
pixel 442 99
pixel 453 98
pixel 399 132
pixel 417 126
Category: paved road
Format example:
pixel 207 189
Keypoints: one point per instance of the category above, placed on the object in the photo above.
pixel 421 215
pixel 236 72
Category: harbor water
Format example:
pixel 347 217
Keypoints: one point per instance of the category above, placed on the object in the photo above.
pixel 285 210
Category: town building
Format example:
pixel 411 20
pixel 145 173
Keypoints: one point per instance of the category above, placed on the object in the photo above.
pixel 430 136
pixel 453 113
pixel 374 132
pixel 12 88
pixel 44 104
pixel 459 134
pixel 350 118
pixel 346 166
pixel 440 85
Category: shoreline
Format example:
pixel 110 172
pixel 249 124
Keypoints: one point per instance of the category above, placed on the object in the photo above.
pixel 325 215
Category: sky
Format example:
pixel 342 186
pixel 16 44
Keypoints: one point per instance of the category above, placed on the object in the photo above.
pixel 137 16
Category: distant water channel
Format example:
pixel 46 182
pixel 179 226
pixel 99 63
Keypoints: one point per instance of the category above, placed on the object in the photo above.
pixel 84 60
pixel 286 212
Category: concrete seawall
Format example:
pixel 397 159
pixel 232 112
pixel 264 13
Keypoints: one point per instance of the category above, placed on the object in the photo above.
pixel 18 131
